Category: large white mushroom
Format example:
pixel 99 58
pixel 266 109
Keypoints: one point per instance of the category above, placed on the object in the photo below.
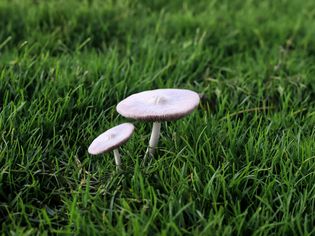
pixel 112 139
pixel 157 106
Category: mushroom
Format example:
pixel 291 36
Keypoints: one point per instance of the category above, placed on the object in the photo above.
pixel 111 140
pixel 158 105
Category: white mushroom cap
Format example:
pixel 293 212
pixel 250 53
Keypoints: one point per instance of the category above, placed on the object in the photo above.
pixel 159 104
pixel 111 139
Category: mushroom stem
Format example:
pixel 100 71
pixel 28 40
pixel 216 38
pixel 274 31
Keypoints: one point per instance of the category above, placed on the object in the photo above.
pixel 117 157
pixel 154 138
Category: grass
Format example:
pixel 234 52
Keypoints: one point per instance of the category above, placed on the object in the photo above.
pixel 243 163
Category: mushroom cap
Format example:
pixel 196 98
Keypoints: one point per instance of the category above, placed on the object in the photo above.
pixel 159 104
pixel 111 139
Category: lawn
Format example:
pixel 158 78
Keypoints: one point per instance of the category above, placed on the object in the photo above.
pixel 243 163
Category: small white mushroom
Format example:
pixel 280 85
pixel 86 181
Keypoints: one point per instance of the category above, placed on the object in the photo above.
pixel 158 105
pixel 112 139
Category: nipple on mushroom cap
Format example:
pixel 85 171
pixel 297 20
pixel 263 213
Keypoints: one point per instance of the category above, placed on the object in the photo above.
pixel 158 100
pixel 110 136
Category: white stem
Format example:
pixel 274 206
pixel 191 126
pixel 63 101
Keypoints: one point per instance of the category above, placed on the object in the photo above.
pixel 117 157
pixel 154 138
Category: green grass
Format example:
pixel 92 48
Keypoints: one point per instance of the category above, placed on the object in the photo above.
pixel 243 163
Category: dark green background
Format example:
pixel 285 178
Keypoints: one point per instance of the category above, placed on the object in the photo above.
pixel 243 163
